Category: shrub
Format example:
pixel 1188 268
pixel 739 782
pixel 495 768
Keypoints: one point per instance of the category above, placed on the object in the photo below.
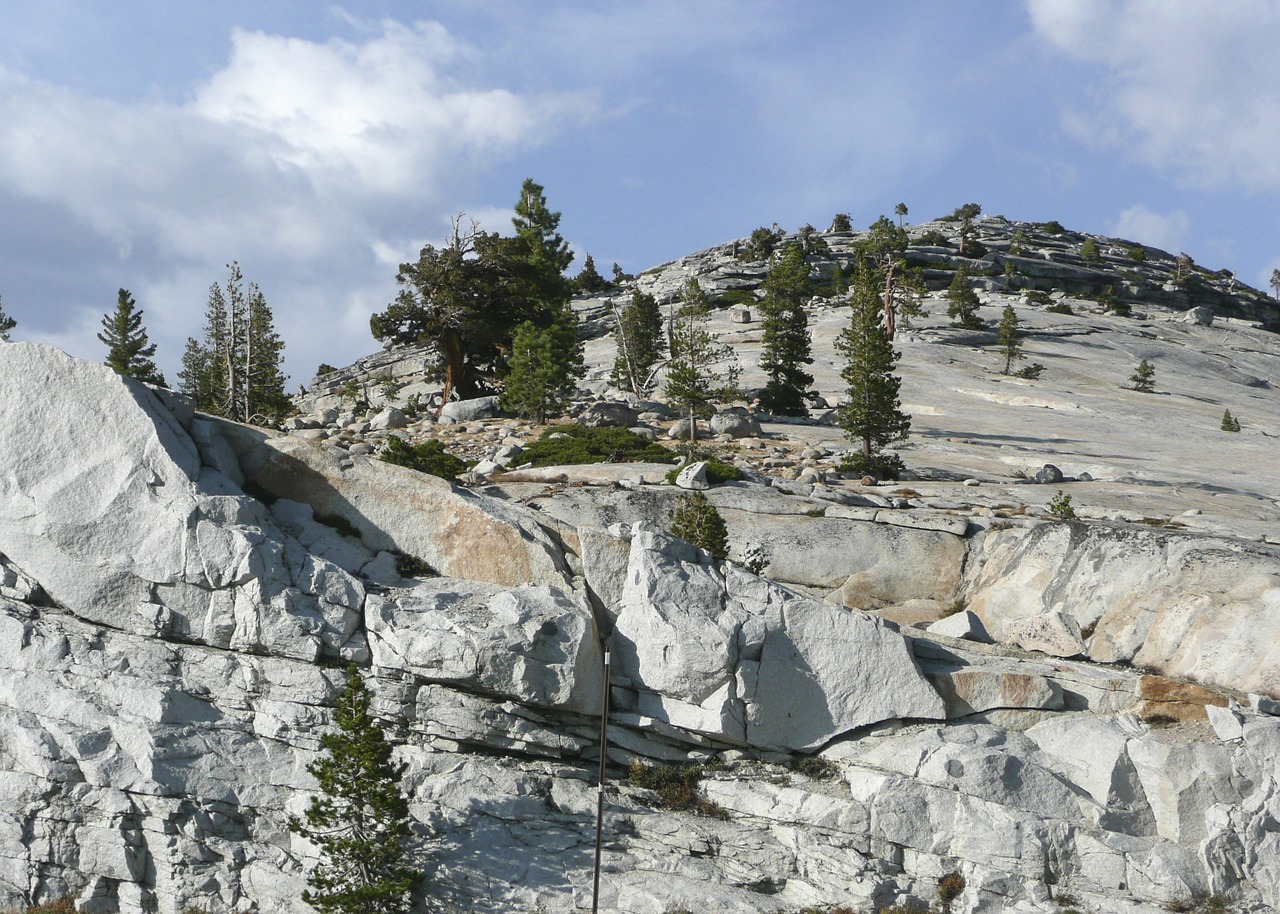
pixel 949 888
pixel 325 368
pixel 63 905
pixel 577 444
pixel 717 470
pixel 698 523
pixel 410 566
pixel 1229 422
pixel 676 786
pixel 1030 373
pixel 817 768
pixel 878 466
pixel 1137 252
pixel 427 457
pixel 1060 308
pixel 743 297
pixel 1052 227
pixel 1060 507
pixel 932 238
pixel 1143 378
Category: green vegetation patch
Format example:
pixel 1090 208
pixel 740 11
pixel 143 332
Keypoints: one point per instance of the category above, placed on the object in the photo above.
pixel 576 444
pixel 718 471
pixel 676 786
pixel 734 297
pixel 428 457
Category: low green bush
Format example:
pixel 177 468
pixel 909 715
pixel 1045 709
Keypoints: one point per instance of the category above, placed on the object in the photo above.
pixel 878 466
pixel 427 457
pixel 817 768
pixel 732 297
pixel 1060 308
pixel 562 445
pixel 931 239
pixel 698 523
pixel 718 471
pixel 676 786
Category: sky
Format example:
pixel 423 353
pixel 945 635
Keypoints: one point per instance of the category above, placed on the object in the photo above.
pixel 146 144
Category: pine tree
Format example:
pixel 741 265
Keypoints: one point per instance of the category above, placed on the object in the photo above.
pixel 1229 422
pixel 900 211
pixel 963 302
pixel 128 350
pixel 360 820
pixel 841 223
pixel 1089 252
pixel 694 385
pixel 590 280
pixel 786 343
pixel 698 523
pixel 1144 378
pixel 1010 338
pixel 1275 284
pixel 965 216
pixel 641 344
pixel 545 366
pixel 872 415
pixel 236 372
pixel 6 324
pixel 539 248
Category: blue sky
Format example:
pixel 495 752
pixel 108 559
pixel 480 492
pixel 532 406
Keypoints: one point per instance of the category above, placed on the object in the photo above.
pixel 146 144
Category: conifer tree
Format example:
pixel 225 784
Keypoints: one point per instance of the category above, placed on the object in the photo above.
pixel 1229 422
pixel 129 351
pixel 545 366
pixel 872 415
pixel 6 324
pixel 1010 338
pixel 965 216
pixel 360 819
pixel 641 344
pixel 539 248
pixel 1089 252
pixel 900 211
pixel 694 382
pixel 1144 377
pixel 236 372
pixel 698 523
pixel 841 223
pixel 1275 284
pixel 590 280
pixel 963 302
pixel 786 343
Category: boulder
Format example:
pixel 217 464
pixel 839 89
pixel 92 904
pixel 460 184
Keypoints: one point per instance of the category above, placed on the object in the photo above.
pixel 1048 474
pixel 535 645
pixel 459 533
pixel 735 422
pixel 693 476
pixel 745 660
pixel 469 410
pixel 388 418
pixel 963 624
pixel 609 413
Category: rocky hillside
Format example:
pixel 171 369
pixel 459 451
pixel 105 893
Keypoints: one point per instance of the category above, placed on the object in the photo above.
pixel 924 678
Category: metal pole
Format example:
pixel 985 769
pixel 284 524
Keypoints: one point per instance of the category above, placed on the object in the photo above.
pixel 604 745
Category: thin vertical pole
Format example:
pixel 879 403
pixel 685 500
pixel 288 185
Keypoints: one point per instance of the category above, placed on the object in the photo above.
pixel 604 746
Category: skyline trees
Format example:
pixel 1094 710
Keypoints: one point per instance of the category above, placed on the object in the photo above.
pixel 129 351
pixel 235 372
pixel 6 323
pixel 468 297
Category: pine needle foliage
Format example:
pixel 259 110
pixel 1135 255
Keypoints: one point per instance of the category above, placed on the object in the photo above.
pixel 1229 422
pixel 360 819
pixel 129 351
pixel 698 523
pixel 6 324
pixel 786 345
pixel 962 302
pixel 641 344
pixel 1009 336
pixel 701 372
pixel 1143 378
pixel 872 415
pixel 545 365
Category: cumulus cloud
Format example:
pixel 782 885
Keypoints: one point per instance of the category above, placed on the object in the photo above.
pixel 1167 231
pixel 310 162
pixel 1183 85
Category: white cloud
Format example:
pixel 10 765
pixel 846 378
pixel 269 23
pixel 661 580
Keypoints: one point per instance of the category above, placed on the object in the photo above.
pixel 1167 231
pixel 313 163
pixel 1186 86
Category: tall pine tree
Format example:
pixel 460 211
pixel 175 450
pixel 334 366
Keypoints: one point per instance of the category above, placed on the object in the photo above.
pixel 872 415
pixel 360 819
pixel 545 366
pixel 129 351
pixel 1009 337
pixel 786 344
pixel 700 373
pixel 236 371
pixel 641 344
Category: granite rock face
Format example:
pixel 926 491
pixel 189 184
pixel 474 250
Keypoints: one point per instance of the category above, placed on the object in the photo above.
pixel 160 695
